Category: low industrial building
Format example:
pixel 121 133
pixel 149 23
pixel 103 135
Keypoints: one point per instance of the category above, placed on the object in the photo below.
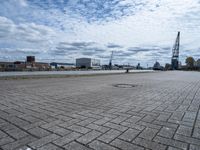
pixel 88 63
pixel 55 65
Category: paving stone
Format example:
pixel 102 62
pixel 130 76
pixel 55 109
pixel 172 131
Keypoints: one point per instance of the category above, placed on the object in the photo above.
pixel 133 125
pixel 76 146
pixel 2 134
pixel 86 122
pixel 98 145
pixel 39 132
pixel 115 126
pixel 49 147
pixel 85 139
pixel 19 143
pixel 148 118
pixel 80 129
pixel 67 139
pixel 162 109
pixel 148 133
pixel 43 141
pixel 98 128
pixel 185 139
pixel 102 121
pixel 171 142
pixel 6 140
pixel 196 133
pixel 109 136
pixel 125 145
pixel 184 130
pixel 133 119
pixel 167 132
pixel 59 130
pixel 149 125
pixel 167 124
pixel 129 134
pixel 118 120
pixel 17 133
pixel 51 124
pixel 149 144
pixel 194 147
pixel 173 148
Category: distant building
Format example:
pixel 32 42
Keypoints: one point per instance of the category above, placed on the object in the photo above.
pixel 7 66
pixel 30 62
pixel 88 63
pixel 30 59
pixel 55 65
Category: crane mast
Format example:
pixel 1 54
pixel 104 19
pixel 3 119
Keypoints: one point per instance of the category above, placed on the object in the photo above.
pixel 175 53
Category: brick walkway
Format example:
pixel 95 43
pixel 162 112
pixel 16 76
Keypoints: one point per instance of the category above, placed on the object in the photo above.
pixel 84 113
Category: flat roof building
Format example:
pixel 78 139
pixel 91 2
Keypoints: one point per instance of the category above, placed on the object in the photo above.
pixel 88 63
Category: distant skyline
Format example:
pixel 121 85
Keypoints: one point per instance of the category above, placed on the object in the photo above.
pixel 139 31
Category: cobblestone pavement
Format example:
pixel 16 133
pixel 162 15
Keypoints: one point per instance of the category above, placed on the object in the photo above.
pixel 89 113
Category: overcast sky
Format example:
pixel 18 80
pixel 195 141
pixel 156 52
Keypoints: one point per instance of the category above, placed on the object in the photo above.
pixel 62 30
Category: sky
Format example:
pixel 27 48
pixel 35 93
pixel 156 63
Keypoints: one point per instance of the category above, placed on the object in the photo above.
pixel 138 31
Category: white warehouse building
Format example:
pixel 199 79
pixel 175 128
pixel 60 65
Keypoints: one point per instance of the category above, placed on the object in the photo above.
pixel 88 63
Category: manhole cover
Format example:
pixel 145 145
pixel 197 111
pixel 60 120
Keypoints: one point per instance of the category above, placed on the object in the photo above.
pixel 125 85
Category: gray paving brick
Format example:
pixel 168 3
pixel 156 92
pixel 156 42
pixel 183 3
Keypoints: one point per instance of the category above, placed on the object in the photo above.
pixel 185 139
pixel 43 141
pixel 17 133
pixel 129 134
pixel 39 132
pixel 80 129
pixel 118 120
pixel 59 130
pixel 184 130
pixel 6 140
pixel 173 148
pixel 167 132
pixel 196 133
pixel 109 136
pixel 19 143
pixel 132 125
pixel 194 147
pixel 49 147
pixel 86 122
pixel 133 119
pixel 2 134
pixel 102 121
pixel 115 126
pixel 171 142
pixel 85 139
pixel 149 144
pixel 98 145
pixel 148 133
pixel 98 128
pixel 125 145
pixel 76 146
pixel 67 139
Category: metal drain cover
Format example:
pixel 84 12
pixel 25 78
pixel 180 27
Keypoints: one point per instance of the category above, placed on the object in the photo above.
pixel 124 85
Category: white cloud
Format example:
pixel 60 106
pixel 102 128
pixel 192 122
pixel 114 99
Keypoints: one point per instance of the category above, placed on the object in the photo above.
pixel 127 23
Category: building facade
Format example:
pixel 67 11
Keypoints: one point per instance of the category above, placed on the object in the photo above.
pixel 88 63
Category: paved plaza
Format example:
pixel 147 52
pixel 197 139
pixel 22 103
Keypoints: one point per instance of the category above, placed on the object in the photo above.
pixel 158 111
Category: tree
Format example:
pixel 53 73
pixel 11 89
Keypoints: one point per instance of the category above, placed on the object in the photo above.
pixel 190 62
